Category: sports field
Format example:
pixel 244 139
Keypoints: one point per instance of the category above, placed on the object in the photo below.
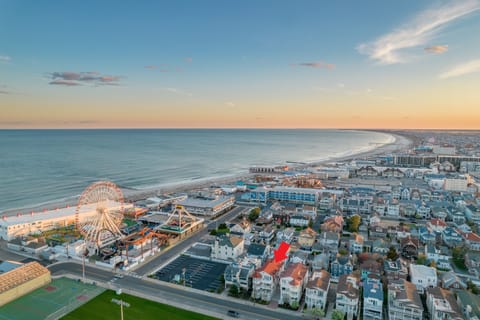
pixel 102 308
pixel 60 295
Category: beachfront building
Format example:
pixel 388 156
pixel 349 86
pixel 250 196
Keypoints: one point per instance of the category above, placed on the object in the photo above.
pixel 404 302
pixel 292 282
pixel 372 300
pixel 348 294
pixel 306 196
pixel 18 279
pixel 208 206
pixel 227 247
pixel 317 290
pixel 34 223
pixel 265 280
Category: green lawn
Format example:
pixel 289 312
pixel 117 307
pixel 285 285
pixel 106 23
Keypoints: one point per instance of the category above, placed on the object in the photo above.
pixel 102 307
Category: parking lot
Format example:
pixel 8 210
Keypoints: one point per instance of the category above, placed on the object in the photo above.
pixel 199 274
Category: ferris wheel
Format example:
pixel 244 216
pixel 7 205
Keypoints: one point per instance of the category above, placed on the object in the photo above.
pixel 99 212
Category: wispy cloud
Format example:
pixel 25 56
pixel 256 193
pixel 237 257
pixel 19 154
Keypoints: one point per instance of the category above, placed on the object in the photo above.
pixel 151 67
pixel 315 64
pixel 177 91
pixel 230 104
pixel 189 59
pixel 436 49
pixel 462 69
pixel 5 58
pixel 417 32
pixel 70 79
pixel 4 91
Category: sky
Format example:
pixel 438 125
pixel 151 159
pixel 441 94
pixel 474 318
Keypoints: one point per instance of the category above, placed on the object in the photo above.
pixel 240 64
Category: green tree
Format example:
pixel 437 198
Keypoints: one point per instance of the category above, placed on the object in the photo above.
pixel 254 214
pixel 343 251
pixel 294 305
pixel 234 292
pixel 392 253
pixel 316 312
pixel 222 226
pixel 433 264
pixel 337 315
pixel 353 223
pixel 213 232
pixel 422 259
pixel 473 287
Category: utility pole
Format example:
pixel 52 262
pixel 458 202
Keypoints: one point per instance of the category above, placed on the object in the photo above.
pixel 121 309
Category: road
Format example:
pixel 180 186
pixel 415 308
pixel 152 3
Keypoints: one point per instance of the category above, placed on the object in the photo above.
pixel 186 297
pixel 150 266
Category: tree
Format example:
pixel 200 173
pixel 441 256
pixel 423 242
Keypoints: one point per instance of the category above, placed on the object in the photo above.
pixel 422 259
pixel 234 292
pixel 392 253
pixel 317 312
pixel 213 232
pixel 222 226
pixel 472 287
pixel 337 315
pixel 343 251
pixel 254 214
pixel 433 264
pixel 353 223
pixel 294 305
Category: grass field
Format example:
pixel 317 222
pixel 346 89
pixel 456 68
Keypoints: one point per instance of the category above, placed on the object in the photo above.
pixel 58 295
pixel 102 308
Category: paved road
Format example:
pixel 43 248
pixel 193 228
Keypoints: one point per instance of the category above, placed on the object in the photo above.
pixel 188 298
pixel 151 266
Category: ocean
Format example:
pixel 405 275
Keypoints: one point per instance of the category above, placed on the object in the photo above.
pixel 38 167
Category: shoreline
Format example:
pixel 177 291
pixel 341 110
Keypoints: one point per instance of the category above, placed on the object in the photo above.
pixel 132 194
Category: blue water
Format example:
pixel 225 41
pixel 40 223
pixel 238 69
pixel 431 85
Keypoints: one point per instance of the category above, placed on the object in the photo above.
pixel 41 166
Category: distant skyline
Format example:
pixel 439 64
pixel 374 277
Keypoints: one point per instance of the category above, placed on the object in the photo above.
pixel 240 64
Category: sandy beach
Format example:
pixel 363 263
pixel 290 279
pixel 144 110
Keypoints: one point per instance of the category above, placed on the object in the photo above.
pixel 400 143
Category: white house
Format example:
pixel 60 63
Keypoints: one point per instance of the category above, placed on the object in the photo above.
pixel 265 280
pixel 423 277
pixel 227 247
pixel 317 290
pixel 292 282
pixel 348 293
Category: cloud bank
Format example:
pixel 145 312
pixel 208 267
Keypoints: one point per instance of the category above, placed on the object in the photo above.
pixel 70 79
pixel 462 69
pixel 420 30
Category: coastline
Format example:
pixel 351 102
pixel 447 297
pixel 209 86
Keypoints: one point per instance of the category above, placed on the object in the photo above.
pixel 399 143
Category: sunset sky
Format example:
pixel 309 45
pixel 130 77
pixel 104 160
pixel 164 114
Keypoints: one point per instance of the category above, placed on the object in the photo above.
pixel 262 64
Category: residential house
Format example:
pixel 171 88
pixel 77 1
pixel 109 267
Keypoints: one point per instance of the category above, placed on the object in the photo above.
pixel 372 300
pixel 239 274
pixel 227 247
pixel 285 235
pixel 472 262
pixel 393 173
pixel 257 253
pixel 367 171
pixel 441 305
pixel 321 262
pixel 404 302
pixel 292 283
pixel 299 220
pixel 409 247
pixel 393 208
pixel 452 237
pixel 472 240
pixel 306 239
pixel 333 224
pixel 356 243
pixel 267 234
pixel 436 225
pixel 317 290
pixel 341 265
pixel 265 280
pixel 469 304
pixel 451 281
pixel 348 294
pixel 423 277
pixel 395 269
pixel 241 228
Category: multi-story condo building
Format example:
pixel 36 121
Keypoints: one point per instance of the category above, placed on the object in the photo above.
pixel 317 290
pixel 227 247
pixel 372 300
pixel 423 277
pixel 292 283
pixel 404 302
pixel 265 280
pixel 348 293
pixel 441 305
